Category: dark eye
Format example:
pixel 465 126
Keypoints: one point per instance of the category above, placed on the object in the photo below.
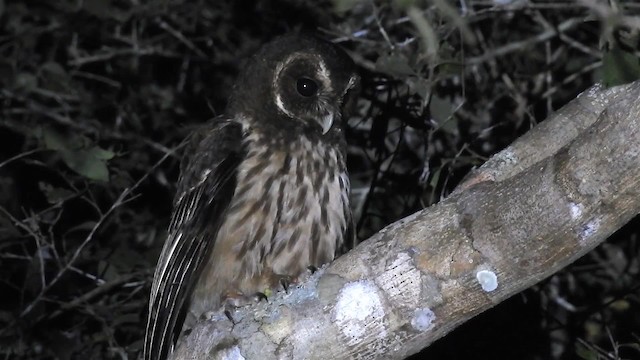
pixel 306 87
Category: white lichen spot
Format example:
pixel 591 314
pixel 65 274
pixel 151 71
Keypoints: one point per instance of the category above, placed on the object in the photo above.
pixel 592 91
pixel 507 157
pixel 232 353
pixel 589 229
pixel 423 319
pixel 359 307
pixel 576 210
pixel 487 279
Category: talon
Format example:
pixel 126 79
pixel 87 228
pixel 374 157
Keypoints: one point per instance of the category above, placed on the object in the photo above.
pixel 259 296
pixel 236 299
pixel 285 284
pixel 227 313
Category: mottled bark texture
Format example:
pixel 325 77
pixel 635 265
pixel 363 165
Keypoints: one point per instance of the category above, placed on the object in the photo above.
pixel 535 207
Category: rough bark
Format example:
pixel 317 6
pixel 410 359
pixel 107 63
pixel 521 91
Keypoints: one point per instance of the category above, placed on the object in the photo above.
pixel 532 209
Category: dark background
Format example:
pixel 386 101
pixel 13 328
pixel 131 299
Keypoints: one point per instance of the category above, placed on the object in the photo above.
pixel 96 96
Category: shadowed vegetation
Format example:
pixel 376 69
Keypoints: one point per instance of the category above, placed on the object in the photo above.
pixel 97 96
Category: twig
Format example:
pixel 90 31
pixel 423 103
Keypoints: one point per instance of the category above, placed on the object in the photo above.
pixel 178 35
pixel 519 45
pixel 110 54
pixel 20 156
pixel 101 289
pixel 119 202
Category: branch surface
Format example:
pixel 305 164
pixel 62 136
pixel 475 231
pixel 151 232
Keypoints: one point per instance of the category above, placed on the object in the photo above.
pixel 531 210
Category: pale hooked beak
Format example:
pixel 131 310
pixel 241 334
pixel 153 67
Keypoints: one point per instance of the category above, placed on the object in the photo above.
pixel 348 97
pixel 327 123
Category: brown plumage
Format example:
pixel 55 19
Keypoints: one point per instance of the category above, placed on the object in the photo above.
pixel 263 192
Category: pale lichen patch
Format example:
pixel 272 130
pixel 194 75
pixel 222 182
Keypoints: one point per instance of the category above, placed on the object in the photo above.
pixel 588 230
pixel 359 309
pixel 232 353
pixel 575 210
pixel 488 280
pixel 422 319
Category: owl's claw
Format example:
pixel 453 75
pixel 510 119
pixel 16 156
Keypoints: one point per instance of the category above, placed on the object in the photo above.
pixel 281 281
pixel 285 282
pixel 238 299
pixel 235 300
pixel 259 296
pixel 227 313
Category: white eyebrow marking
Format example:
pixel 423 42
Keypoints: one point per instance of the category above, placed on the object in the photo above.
pixel 281 106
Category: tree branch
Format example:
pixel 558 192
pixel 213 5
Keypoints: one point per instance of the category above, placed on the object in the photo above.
pixel 532 209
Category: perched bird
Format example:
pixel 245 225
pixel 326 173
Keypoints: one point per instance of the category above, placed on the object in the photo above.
pixel 263 193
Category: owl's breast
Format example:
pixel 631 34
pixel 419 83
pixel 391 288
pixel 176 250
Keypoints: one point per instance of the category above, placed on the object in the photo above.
pixel 290 211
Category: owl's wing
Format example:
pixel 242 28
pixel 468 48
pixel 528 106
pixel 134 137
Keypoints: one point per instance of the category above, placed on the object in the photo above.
pixel 350 238
pixel 205 188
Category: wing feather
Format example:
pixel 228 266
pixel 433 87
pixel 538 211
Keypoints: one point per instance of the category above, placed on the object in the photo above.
pixel 205 188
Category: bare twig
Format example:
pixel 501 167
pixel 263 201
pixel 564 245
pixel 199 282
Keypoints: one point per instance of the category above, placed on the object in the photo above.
pixel 523 44
pixel 122 199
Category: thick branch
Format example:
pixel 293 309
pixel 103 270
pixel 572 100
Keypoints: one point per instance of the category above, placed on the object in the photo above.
pixel 529 211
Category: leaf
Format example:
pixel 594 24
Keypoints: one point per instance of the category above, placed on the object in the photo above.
pixel 585 353
pixel 418 86
pixel 100 153
pixel 450 68
pixel 441 111
pixel 619 67
pixel 86 164
pixel 54 194
pixel 394 64
pixel 54 77
pixel 435 177
pixel 89 162
pixel 25 81
pixel 342 6
pixel 430 43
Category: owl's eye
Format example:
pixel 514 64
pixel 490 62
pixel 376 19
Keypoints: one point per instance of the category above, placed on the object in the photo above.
pixel 306 87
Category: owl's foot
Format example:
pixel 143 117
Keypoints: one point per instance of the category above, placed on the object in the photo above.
pixel 283 282
pixel 271 282
pixel 234 300
pixel 238 299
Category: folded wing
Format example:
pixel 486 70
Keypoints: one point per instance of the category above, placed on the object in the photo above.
pixel 205 188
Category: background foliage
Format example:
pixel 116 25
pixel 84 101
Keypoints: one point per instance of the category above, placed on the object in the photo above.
pixel 96 96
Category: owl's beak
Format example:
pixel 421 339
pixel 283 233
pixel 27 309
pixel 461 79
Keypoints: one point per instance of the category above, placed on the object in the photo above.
pixel 327 123
pixel 348 102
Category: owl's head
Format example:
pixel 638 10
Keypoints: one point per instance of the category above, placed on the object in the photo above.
pixel 299 79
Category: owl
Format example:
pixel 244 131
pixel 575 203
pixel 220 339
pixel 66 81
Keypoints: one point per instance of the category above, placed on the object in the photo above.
pixel 263 193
